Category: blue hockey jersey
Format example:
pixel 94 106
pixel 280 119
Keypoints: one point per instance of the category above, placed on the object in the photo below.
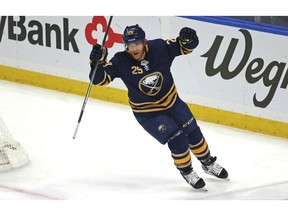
pixel 149 82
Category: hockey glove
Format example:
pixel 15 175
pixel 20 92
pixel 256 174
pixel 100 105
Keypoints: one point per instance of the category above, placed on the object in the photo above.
pixel 98 54
pixel 188 38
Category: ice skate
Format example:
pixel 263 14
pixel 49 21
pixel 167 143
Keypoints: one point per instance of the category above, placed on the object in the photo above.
pixel 194 180
pixel 214 169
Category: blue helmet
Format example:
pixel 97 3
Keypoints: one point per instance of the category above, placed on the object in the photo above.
pixel 133 34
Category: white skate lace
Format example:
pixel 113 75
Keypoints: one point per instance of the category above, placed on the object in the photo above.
pixel 215 168
pixel 192 177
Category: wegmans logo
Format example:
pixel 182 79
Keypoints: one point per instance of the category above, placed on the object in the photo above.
pixel 255 71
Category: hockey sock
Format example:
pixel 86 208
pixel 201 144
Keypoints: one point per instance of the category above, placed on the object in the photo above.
pixel 179 147
pixel 198 145
pixel 183 161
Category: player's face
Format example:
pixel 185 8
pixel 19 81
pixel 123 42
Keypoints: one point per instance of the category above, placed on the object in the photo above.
pixel 136 50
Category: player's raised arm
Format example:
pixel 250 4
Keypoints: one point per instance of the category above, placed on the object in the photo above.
pixel 188 40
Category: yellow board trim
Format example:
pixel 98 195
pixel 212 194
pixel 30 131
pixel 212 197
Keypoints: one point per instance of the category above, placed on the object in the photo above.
pixel 62 84
pixel 203 113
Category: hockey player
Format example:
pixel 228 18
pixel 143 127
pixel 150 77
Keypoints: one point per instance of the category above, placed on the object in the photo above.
pixel 144 67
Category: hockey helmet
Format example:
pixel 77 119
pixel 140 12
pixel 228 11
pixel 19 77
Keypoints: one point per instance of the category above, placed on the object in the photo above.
pixel 133 34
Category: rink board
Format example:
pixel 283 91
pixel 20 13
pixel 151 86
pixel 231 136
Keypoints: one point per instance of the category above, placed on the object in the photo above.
pixel 53 52
pixel 110 94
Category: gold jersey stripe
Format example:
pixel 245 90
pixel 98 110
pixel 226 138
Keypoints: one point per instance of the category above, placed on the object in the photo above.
pixel 172 89
pixel 164 104
pixel 157 109
pixel 106 80
pixel 184 50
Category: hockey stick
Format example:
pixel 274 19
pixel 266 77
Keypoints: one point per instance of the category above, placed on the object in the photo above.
pixel 91 81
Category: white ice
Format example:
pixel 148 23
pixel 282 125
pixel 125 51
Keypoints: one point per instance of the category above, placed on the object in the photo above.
pixel 113 158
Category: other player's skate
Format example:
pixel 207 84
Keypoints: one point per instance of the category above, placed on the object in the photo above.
pixel 194 180
pixel 214 169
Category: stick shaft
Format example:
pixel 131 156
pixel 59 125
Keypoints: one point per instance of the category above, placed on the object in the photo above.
pixel 91 81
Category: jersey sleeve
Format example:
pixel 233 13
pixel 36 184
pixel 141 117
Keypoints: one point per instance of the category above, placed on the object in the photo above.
pixel 176 48
pixel 106 73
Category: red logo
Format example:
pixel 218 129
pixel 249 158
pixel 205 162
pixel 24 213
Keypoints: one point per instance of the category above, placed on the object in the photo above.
pixel 112 36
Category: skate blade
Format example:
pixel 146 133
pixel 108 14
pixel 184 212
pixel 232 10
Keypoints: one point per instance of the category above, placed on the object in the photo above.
pixel 227 179
pixel 203 189
pixel 200 189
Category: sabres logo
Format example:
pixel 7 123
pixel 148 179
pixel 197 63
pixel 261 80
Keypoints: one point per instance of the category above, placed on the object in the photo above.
pixel 151 84
pixel 130 32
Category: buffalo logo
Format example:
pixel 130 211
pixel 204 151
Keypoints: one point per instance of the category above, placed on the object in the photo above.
pixel 130 32
pixel 162 128
pixel 151 84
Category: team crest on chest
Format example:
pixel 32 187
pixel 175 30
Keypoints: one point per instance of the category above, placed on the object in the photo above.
pixel 151 84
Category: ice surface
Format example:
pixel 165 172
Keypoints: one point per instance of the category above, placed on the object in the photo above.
pixel 113 158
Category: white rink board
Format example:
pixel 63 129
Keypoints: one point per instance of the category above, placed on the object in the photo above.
pixel 193 83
